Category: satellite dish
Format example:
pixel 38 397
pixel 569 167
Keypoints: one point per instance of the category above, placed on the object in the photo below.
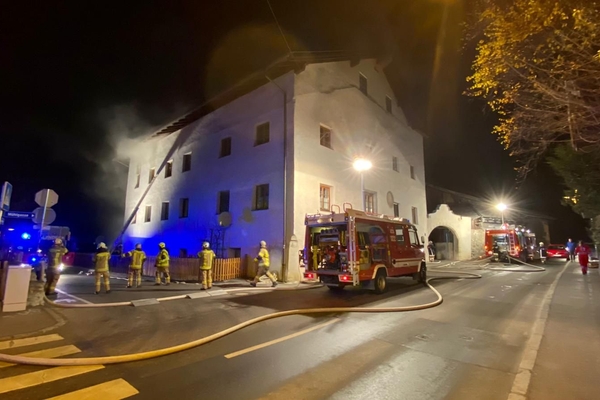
pixel 224 219
pixel 390 199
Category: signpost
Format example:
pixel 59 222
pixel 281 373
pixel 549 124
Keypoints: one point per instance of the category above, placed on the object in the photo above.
pixel 5 200
pixel 19 214
pixel 45 198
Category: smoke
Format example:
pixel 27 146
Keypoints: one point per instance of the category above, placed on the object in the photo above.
pixel 125 128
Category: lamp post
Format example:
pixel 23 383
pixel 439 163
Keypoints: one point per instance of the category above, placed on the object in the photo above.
pixel 502 207
pixel 361 165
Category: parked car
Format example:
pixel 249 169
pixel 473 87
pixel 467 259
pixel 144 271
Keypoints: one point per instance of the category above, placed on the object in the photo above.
pixel 557 251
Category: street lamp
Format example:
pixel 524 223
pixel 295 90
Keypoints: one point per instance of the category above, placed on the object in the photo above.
pixel 502 207
pixel 361 165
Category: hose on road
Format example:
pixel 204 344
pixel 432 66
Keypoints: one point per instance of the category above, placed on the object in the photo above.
pixel 199 342
pixel 161 299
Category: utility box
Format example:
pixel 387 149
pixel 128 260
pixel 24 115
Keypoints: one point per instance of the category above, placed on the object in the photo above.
pixel 15 287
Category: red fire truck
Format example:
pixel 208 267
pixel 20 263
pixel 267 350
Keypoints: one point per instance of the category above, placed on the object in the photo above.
pixel 516 242
pixel 361 249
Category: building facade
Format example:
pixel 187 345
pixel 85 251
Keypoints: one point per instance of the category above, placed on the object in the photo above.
pixel 255 166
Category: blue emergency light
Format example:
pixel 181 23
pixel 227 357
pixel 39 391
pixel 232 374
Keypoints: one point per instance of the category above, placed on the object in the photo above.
pixel 26 236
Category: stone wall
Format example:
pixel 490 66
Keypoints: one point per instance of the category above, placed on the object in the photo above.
pixel 460 226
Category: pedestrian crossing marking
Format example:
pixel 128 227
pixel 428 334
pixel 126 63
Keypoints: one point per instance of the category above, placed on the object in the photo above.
pixel 113 390
pixel 44 376
pixel 11 344
pixel 48 353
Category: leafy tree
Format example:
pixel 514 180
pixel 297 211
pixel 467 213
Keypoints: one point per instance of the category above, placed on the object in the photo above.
pixel 537 65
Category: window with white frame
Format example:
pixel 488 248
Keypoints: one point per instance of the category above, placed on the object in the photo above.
pixel 415 216
pixel 396 210
pixel 187 162
pixel 370 202
pixel 164 211
pixel 151 174
pixel 362 83
pixel 138 172
pixel 169 169
pixel 262 134
pixel 395 163
pixel 412 172
pixel 388 104
pixel 325 198
pixel 223 201
pixel 184 205
pixel 325 136
pixel 148 214
pixel 225 147
pixel 261 197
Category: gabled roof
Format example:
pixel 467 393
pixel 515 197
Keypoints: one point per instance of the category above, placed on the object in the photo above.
pixel 295 61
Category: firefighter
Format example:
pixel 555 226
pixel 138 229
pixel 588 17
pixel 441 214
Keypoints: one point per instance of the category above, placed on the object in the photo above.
pixel 101 267
pixel 582 251
pixel 138 257
pixel 162 265
pixel 263 265
pixel 207 257
pixel 55 255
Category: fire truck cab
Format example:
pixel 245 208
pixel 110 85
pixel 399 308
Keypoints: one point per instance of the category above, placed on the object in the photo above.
pixel 361 249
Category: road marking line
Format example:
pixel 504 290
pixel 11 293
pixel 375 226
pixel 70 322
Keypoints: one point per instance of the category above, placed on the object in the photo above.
pixel 48 353
pixel 293 335
pixel 11 344
pixel 74 297
pixel 522 379
pixel 113 390
pixel 44 376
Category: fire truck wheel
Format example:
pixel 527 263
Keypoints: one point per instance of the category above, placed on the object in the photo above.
pixel 336 288
pixel 422 274
pixel 380 282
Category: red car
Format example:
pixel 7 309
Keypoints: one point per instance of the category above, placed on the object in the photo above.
pixel 557 251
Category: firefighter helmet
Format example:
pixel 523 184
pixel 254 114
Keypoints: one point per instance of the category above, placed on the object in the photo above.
pixel 102 245
pixel 161 245
pixel 58 241
pixel 138 246
pixel 263 244
pixel 205 245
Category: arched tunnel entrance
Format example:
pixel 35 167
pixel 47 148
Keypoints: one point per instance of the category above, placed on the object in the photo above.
pixel 446 243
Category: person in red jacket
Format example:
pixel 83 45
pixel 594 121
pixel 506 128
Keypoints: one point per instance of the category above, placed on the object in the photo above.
pixel 583 253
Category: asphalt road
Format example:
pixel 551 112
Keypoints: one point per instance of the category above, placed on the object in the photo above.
pixel 470 347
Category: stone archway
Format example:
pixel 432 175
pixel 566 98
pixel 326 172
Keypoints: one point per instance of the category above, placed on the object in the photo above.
pixel 446 243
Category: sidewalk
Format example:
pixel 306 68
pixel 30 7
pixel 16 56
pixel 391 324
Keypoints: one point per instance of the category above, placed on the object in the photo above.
pixel 33 321
pixel 568 361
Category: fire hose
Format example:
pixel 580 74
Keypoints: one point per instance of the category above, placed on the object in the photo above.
pixel 207 339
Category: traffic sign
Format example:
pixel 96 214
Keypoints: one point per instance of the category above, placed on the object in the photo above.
pixel 46 198
pixel 19 214
pixel 49 217
pixel 5 197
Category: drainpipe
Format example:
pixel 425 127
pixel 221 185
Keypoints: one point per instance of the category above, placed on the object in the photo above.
pixel 284 266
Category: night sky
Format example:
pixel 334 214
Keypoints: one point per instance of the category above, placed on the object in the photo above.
pixel 80 77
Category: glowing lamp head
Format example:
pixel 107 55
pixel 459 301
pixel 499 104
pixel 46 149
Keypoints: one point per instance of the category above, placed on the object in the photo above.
pixel 362 164
pixel 501 207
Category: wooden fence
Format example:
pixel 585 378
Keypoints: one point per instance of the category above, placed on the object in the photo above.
pixel 181 269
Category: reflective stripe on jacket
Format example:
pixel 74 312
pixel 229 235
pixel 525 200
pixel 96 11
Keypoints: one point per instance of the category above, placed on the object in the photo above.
pixel 162 259
pixel 137 259
pixel 206 259
pixel 55 255
pixel 101 260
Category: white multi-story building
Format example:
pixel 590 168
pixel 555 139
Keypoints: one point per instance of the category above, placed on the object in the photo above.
pixel 271 150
